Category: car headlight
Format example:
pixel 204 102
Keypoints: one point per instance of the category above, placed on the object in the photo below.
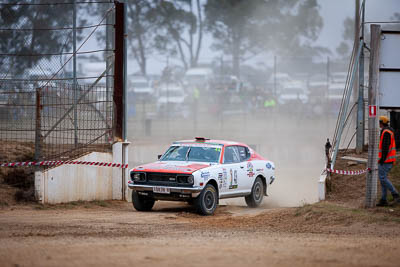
pixel 190 179
pixel 136 177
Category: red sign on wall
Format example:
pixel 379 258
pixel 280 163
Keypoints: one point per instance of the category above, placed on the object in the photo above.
pixel 372 111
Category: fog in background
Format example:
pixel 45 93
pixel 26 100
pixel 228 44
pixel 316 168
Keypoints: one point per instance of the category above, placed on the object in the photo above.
pixel 292 134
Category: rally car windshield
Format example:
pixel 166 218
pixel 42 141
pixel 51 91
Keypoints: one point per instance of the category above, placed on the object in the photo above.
pixel 192 153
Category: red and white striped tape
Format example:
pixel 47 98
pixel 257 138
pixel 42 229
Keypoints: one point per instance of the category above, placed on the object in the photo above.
pixel 56 163
pixel 347 172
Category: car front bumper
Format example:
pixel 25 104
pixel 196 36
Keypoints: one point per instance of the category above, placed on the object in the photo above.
pixel 193 191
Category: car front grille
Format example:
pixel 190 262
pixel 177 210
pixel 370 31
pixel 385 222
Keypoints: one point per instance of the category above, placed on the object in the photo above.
pixel 166 179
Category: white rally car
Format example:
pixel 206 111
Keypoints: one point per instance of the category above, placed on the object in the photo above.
pixel 201 172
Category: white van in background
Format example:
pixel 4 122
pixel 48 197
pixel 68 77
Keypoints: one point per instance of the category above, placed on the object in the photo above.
pixel 200 77
pixel 293 92
pixel 172 100
pixel 141 87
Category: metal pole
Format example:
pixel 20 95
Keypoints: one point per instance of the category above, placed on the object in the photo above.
pixel 119 72
pixel 274 75
pixel 108 22
pixel 75 93
pixel 360 106
pixel 38 133
pixel 373 129
pixel 356 78
pixel 124 133
pixel 167 106
pixel 124 101
pixel 327 76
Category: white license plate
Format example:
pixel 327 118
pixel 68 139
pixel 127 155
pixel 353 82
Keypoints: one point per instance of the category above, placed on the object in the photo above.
pixel 161 190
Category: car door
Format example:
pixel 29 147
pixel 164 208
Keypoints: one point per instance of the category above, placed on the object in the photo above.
pixel 246 173
pixel 231 170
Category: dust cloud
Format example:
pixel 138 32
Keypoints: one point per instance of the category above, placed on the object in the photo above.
pixel 293 141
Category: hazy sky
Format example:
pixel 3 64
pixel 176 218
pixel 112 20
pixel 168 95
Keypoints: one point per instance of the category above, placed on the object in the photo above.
pixel 333 12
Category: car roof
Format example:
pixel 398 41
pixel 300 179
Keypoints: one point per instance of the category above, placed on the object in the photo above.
pixel 210 142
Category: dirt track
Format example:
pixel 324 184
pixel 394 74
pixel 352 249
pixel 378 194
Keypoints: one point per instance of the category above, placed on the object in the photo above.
pixel 173 235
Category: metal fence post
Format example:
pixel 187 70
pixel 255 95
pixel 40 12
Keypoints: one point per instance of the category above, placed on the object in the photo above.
pixel 119 70
pixel 38 126
pixel 74 76
pixel 360 108
pixel 275 81
pixel 373 129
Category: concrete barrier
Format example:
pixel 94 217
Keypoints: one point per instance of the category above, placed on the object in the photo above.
pixel 322 185
pixel 68 183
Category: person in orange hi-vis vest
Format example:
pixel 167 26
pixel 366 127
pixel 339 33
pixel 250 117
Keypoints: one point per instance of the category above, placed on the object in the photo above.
pixel 387 157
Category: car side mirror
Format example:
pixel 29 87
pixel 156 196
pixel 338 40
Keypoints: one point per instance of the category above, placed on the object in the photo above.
pixel 159 156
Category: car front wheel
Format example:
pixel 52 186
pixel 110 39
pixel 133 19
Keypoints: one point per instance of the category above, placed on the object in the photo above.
pixel 257 193
pixel 206 202
pixel 142 203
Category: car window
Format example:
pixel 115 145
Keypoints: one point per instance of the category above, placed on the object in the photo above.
pixel 244 153
pixel 192 153
pixel 205 154
pixel 231 155
pixel 176 153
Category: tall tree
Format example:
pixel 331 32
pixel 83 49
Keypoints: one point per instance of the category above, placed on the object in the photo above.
pixel 244 29
pixel 180 29
pixel 140 31
pixel 344 48
pixel 24 40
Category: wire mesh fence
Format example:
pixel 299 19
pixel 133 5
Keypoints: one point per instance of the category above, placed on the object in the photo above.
pixel 302 87
pixel 46 103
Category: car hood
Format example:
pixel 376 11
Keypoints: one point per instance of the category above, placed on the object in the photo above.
pixel 172 166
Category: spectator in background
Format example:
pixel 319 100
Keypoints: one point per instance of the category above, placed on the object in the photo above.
pixel 387 157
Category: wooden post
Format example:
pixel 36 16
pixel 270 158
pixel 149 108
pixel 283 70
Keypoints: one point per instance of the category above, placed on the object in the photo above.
pixel 373 129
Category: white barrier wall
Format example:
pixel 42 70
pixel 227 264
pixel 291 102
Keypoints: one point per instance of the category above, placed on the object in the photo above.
pixel 322 187
pixel 117 173
pixel 67 183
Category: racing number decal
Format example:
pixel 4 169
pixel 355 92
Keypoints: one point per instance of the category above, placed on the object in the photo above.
pixel 250 170
pixel 233 179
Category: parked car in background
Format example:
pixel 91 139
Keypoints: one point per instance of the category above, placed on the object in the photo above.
pixel 141 87
pixel 171 100
pixel 294 92
pixel 198 77
pixel 318 88
pixel 201 172
pixel 336 86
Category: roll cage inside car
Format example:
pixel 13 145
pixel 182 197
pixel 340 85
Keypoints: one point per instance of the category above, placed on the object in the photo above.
pixel 235 154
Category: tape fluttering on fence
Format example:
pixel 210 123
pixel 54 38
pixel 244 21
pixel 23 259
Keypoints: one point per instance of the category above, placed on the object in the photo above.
pixel 69 162
pixel 347 172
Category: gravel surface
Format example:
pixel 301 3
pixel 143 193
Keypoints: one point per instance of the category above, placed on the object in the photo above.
pixel 112 233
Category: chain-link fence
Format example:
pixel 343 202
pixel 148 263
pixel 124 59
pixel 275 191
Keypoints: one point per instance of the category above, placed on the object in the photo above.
pixel 302 87
pixel 56 76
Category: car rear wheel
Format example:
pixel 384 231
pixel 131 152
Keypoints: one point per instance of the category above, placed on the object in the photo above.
pixel 257 193
pixel 206 202
pixel 142 203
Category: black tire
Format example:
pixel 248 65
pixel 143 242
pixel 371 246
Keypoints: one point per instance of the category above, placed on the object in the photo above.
pixel 142 203
pixel 206 202
pixel 257 193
